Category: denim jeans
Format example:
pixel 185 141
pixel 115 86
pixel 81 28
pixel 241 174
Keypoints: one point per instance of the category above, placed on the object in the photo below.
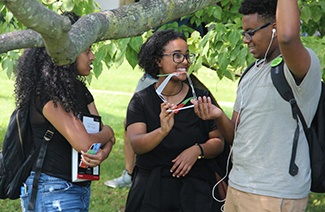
pixel 55 194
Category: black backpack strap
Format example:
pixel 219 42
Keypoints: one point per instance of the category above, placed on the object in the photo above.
pixel 39 164
pixel 282 86
pixel 246 71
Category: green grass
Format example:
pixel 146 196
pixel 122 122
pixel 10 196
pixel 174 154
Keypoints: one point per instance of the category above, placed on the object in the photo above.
pixel 112 92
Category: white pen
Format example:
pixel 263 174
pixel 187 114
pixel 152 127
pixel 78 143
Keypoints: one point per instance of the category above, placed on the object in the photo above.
pixel 182 108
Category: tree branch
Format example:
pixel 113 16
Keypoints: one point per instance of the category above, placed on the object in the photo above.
pixel 65 42
pixel 19 40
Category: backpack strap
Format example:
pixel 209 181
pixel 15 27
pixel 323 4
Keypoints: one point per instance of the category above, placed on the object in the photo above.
pixel 39 164
pixel 246 71
pixel 284 89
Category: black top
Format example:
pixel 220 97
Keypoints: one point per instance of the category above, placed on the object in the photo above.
pixel 57 162
pixel 188 129
pixel 153 187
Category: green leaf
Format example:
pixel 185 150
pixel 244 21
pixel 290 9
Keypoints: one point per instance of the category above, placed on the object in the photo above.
pixel 111 48
pixel 316 14
pixel 108 61
pixel 119 55
pixel 100 54
pixel 241 59
pixel 235 52
pixel 205 49
pixel 224 2
pixel 131 56
pixel 136 43
pixel 233 38
pixel 199 13
pixel 217 12
pixel 119 58
pixel 305 14
pixel 123 44
pixel 196 66
pixel 219 45
pixel 4 64
pixel 8 66
pixel 223 61
pixel 229 74
pixel 9 16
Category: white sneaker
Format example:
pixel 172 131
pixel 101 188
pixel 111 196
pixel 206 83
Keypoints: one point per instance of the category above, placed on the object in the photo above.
pixel 123 181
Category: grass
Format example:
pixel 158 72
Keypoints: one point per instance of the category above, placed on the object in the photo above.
pixel 112 92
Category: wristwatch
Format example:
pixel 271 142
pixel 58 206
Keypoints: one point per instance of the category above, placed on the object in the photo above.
pixel 201 156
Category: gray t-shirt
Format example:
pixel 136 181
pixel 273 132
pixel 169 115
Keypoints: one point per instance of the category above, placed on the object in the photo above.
pixel 144 82
pixel 263 140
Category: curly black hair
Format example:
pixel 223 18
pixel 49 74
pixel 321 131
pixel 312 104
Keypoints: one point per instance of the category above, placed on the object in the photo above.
pixel 152 50
pixel 36 74
pixel 265 8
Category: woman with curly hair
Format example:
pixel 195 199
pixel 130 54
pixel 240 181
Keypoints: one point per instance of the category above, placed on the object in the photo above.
pixel 55 95
pixel 174 148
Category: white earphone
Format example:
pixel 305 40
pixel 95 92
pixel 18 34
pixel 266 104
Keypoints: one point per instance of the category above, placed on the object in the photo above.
pixel 273 32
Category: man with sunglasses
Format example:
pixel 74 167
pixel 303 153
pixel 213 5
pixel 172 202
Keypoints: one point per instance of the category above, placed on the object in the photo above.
pixel 262 128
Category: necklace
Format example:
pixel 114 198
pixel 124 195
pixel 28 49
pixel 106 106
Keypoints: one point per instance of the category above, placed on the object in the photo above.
pixel 174 93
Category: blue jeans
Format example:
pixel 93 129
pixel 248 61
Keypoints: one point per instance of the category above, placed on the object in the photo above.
pixel 55 194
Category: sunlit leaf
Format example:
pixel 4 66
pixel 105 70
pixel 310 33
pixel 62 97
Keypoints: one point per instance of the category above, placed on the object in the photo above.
pixel 67 5
pixel 9 16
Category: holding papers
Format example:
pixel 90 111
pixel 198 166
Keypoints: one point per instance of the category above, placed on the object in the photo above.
pixel 81 173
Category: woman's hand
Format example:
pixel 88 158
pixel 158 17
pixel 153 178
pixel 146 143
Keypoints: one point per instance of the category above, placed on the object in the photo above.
pixel 166 118
pixel 185 161
pixel 94 160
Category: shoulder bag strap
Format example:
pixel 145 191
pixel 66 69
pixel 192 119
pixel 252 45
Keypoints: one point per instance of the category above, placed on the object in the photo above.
pixel 39 164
